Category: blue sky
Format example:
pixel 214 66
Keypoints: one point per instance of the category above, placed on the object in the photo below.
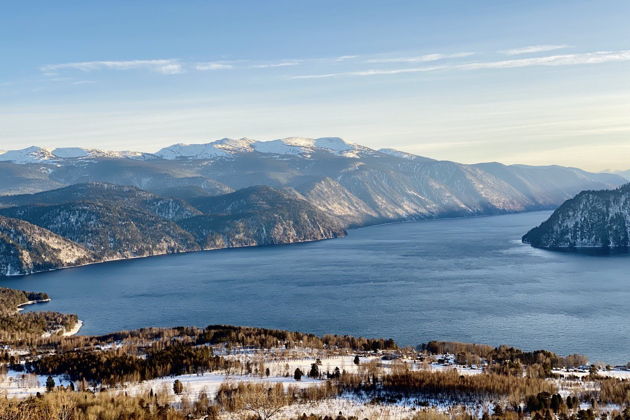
pixel 535 82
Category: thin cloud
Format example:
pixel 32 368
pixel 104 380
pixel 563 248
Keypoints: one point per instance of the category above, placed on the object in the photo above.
pixel 420 59
pixel 371 72
pixel 213 66
pixel 169 66
pixel 531 49
pixel 346 57
pixel 597 57
pixel 279 64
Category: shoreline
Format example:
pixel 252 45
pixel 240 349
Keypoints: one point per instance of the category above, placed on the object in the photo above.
pixel 397 221
pixel 64 333
pixel 74 330
pixel 30 302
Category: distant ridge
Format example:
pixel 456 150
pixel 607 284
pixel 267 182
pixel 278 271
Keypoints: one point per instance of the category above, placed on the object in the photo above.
pixel 354 183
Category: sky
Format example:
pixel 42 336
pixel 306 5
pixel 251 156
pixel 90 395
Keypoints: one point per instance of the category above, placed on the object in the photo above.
pixel 533 82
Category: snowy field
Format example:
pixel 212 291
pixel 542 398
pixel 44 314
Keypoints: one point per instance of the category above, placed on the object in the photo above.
pixel 280 364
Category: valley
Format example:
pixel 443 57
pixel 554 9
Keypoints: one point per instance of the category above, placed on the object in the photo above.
pixel 96 206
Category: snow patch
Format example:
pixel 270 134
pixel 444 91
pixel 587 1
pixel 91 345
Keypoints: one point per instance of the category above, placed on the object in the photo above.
pixel 31 154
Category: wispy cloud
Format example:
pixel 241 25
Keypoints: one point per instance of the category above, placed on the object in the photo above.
pixel 167 66
pixel 531 49
pixel 597 57
pixel 371 72
pixel 213 66
pixel 420 59
pixel 279 64
pixel 346 57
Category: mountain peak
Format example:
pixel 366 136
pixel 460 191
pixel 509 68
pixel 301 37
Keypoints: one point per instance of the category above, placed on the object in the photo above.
pixel 32 154
pixel 227 147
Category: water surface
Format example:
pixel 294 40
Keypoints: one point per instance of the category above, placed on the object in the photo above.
pixel 457 279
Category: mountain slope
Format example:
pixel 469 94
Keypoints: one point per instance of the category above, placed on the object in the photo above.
pixel 592 219
pixel 109 230
pixel 19 179
pixel 101 222
pixel 26 249
pixel 334 199
pixel 353 182
pixel 167 208
pixel 259 216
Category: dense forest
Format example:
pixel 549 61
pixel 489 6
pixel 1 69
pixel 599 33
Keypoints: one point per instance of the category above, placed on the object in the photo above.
pixel 28 326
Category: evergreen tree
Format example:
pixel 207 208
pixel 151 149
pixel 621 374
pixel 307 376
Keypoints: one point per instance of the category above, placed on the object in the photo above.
pixel 50 384
pixel 178 387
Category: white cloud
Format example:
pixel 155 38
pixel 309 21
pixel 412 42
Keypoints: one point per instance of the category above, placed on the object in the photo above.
pixel 420 59
pixel 346 57
pixel 371 72
pixel 279 64
pixel 533 49
pixel 597 57
pixel 213 66
pixel 168 66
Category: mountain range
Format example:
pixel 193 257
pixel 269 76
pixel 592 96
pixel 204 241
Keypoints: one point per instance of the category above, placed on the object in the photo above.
pixel 243 192
pixel 357 184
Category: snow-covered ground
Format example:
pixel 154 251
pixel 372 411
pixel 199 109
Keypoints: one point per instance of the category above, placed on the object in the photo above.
pixel 613 373
pixel 281 364
pixel 21 385
pixel 347 407
pixel 210 383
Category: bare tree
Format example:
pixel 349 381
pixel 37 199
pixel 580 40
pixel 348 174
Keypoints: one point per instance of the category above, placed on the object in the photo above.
pixel 263 402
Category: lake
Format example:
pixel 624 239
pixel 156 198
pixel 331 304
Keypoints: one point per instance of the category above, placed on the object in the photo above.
pixel 467 279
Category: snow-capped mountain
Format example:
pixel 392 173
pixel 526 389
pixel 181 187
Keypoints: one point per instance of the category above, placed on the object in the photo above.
pixel 79 152
pixel 36 154
pixel 355 183
pixel 288 146
pixel 31 154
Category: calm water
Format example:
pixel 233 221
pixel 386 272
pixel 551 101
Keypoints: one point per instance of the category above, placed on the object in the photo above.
pixel 459 279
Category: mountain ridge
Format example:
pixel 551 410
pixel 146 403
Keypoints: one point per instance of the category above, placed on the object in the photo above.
pixel 352 182
pixel 100 222
pixel 593 219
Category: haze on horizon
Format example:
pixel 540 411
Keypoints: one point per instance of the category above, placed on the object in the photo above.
pixel 531 82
